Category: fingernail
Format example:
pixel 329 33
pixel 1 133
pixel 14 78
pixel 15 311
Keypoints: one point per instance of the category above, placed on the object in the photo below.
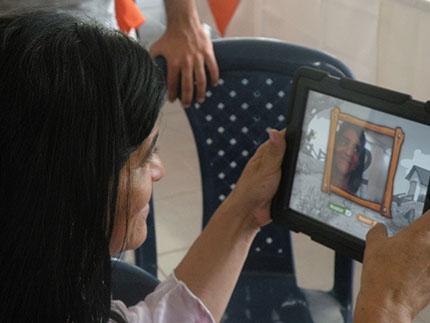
pixel 274 136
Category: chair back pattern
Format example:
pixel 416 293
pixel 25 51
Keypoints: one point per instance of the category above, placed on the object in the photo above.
pixel 252 94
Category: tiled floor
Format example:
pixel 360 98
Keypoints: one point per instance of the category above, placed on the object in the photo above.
pixel 178 210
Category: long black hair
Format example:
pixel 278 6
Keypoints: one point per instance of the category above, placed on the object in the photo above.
pixel 75 100
pixel 356 176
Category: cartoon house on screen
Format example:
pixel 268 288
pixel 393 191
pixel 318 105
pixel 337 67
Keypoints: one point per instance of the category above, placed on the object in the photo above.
pixel 418 181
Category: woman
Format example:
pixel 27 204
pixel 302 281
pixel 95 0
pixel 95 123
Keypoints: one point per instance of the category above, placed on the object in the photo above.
pixel 72 104
pixel 349 157
pixel 79 106
pixel 78 113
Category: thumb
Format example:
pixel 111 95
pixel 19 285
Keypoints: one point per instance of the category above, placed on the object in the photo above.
pixel 376 234
pixel 276 146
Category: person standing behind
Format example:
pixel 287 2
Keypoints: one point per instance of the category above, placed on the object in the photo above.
pixel 185 44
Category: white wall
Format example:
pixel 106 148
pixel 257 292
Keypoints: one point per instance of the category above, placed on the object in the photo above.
pixel 383 41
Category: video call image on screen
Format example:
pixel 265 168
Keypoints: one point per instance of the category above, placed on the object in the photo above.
pixel 357 167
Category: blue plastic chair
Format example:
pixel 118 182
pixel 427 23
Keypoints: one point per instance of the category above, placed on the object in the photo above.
pixel 130 283
pixel 256 77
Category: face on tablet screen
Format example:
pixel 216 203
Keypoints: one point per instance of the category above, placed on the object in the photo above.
pixel 357 167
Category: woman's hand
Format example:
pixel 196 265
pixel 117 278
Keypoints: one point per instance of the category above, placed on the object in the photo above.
pixel 213 263
pixel 395 283
pixel 260 179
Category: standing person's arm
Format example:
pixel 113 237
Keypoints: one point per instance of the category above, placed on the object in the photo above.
pixel 187 49
pixel 395 282
pixel 213 264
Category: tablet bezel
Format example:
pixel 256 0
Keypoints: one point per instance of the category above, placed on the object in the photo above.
pixel 380 99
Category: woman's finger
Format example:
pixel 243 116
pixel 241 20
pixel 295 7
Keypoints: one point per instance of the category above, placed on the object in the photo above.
pixel 276 148
pixel 377 234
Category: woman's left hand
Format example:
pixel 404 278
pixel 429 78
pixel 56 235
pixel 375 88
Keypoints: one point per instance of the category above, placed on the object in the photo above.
pixel 260 179
pixel 213 264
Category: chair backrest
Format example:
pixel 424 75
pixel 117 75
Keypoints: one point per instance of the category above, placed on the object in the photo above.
pixel 256 77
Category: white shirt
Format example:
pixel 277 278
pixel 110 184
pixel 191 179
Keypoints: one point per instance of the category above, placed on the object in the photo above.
pixel 171 301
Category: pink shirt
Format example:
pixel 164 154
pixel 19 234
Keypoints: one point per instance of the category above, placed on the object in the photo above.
pixel 171 301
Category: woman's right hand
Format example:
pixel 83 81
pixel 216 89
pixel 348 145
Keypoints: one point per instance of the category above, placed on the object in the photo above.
pixel 259 180
pixel 395 282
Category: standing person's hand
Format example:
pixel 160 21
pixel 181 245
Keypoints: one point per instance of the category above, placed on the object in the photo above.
pixel 187 49
pixel 395 283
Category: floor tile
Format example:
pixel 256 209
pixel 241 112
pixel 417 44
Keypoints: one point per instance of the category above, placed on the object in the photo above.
pixel 314 263
pixel 179 155
pixel 177 221
pixel 169 261
pixel 424 316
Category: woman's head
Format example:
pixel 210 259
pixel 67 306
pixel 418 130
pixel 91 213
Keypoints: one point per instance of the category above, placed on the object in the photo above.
pixel 349 156
pixel 143 168
pixel 76 103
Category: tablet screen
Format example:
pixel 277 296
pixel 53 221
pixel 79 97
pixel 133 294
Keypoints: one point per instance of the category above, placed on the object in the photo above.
pixel 357 167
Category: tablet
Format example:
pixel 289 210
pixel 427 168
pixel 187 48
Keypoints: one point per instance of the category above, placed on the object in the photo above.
pixel 356 155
